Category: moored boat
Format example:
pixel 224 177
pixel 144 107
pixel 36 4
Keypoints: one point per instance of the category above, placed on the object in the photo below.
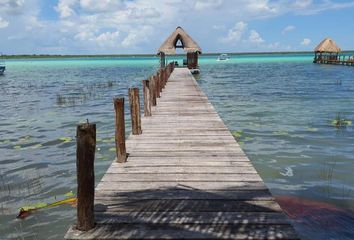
pixel 223 57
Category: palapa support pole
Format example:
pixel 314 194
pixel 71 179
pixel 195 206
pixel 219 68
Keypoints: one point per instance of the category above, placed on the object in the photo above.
pixel 85 156
pixel 121 152
pixel 153 90
pixel 147 98
pixel 135 110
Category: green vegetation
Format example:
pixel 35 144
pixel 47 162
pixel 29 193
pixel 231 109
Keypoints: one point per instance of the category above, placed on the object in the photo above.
pixel 341 121
pixel 39 56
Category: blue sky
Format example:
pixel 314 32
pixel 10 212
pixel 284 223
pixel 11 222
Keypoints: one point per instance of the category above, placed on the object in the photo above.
pixel 140 26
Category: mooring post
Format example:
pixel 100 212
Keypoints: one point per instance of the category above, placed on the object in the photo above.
pixel 135 110
pixel 153 90
pixel 121 152
pixel 168 71
pixel 147 98
pixel 158 83
pixel 85 156
pixel 164 77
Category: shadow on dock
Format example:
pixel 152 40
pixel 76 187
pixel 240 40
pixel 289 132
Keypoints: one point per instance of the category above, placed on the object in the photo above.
pixel 185 212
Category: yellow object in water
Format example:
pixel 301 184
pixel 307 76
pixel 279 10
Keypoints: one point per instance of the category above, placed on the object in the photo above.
pixel 25 211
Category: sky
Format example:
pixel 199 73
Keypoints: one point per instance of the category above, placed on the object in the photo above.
pixel 140 26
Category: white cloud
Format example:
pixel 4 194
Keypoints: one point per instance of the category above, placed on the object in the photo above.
pixel 305 41
pixel 207 4
pixel 12 7
pixel 288 29
pixel 108 39
pixel 234 35
pixel 303 3
pixel 255 37
pixel 101 5
pixel 261 6
pixel 3 23
pixel 65 8
pixel 136 36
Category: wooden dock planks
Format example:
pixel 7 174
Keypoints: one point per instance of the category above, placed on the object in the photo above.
pixel 186 178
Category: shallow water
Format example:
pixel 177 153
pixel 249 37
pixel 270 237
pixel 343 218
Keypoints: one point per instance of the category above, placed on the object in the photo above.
pixel 279 107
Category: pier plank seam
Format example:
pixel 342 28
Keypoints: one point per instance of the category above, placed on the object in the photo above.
pixel 185 177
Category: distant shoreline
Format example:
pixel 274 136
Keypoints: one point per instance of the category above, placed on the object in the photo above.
pixel 25 56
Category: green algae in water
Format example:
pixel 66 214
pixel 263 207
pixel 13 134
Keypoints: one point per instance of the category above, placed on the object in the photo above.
pixel 281 133
pixel 247 139
pixel 5 142
pixel 237 133
pixel 37 146
pixel 25 139
pixel 108 140
pixel 312 129
pixel 66 139
pixel 341 122
pixel 69 194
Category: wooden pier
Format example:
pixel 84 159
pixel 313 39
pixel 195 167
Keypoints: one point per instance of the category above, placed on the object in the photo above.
pixel 185 178
pixel 337 60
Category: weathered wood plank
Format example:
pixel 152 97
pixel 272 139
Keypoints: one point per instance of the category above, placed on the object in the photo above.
pixel 185 231
pixel 181 177
pixel 185 205
pixel 192 218
pixel 225 186
pixel 187 194
pixel 185 178
pixel 155 169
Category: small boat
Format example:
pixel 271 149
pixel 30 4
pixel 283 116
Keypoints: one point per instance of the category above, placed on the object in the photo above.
pixel 223 57
pixel 2 66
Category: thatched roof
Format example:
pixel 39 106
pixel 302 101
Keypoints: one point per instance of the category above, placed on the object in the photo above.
pixel 188 44
pixel 327 45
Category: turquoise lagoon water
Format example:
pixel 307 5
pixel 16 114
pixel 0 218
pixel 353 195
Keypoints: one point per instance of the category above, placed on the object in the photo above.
pixel 280 108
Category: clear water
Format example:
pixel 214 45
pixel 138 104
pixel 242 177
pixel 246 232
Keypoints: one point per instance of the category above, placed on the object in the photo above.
pixel 280 107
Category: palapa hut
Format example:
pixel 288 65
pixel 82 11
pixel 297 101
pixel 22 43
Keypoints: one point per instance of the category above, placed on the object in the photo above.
pixel 327 50
pixel 180 39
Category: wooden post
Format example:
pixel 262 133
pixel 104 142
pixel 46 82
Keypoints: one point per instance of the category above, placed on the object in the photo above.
pixel 168 71
pixel 161 79
pixel 158 83
pixel 121 152
pixel 147 98
pixel 164 74
pixel 153 90
pixel 135 110
pixel 85 156
pixel 162 59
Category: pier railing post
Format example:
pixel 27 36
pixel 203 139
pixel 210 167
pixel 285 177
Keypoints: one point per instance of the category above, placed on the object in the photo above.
pixel 158 84
pixel 164 74
pixel 147 98
pixel 135 110
pixel 121 153
pixel 153 90
pixel 85 156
